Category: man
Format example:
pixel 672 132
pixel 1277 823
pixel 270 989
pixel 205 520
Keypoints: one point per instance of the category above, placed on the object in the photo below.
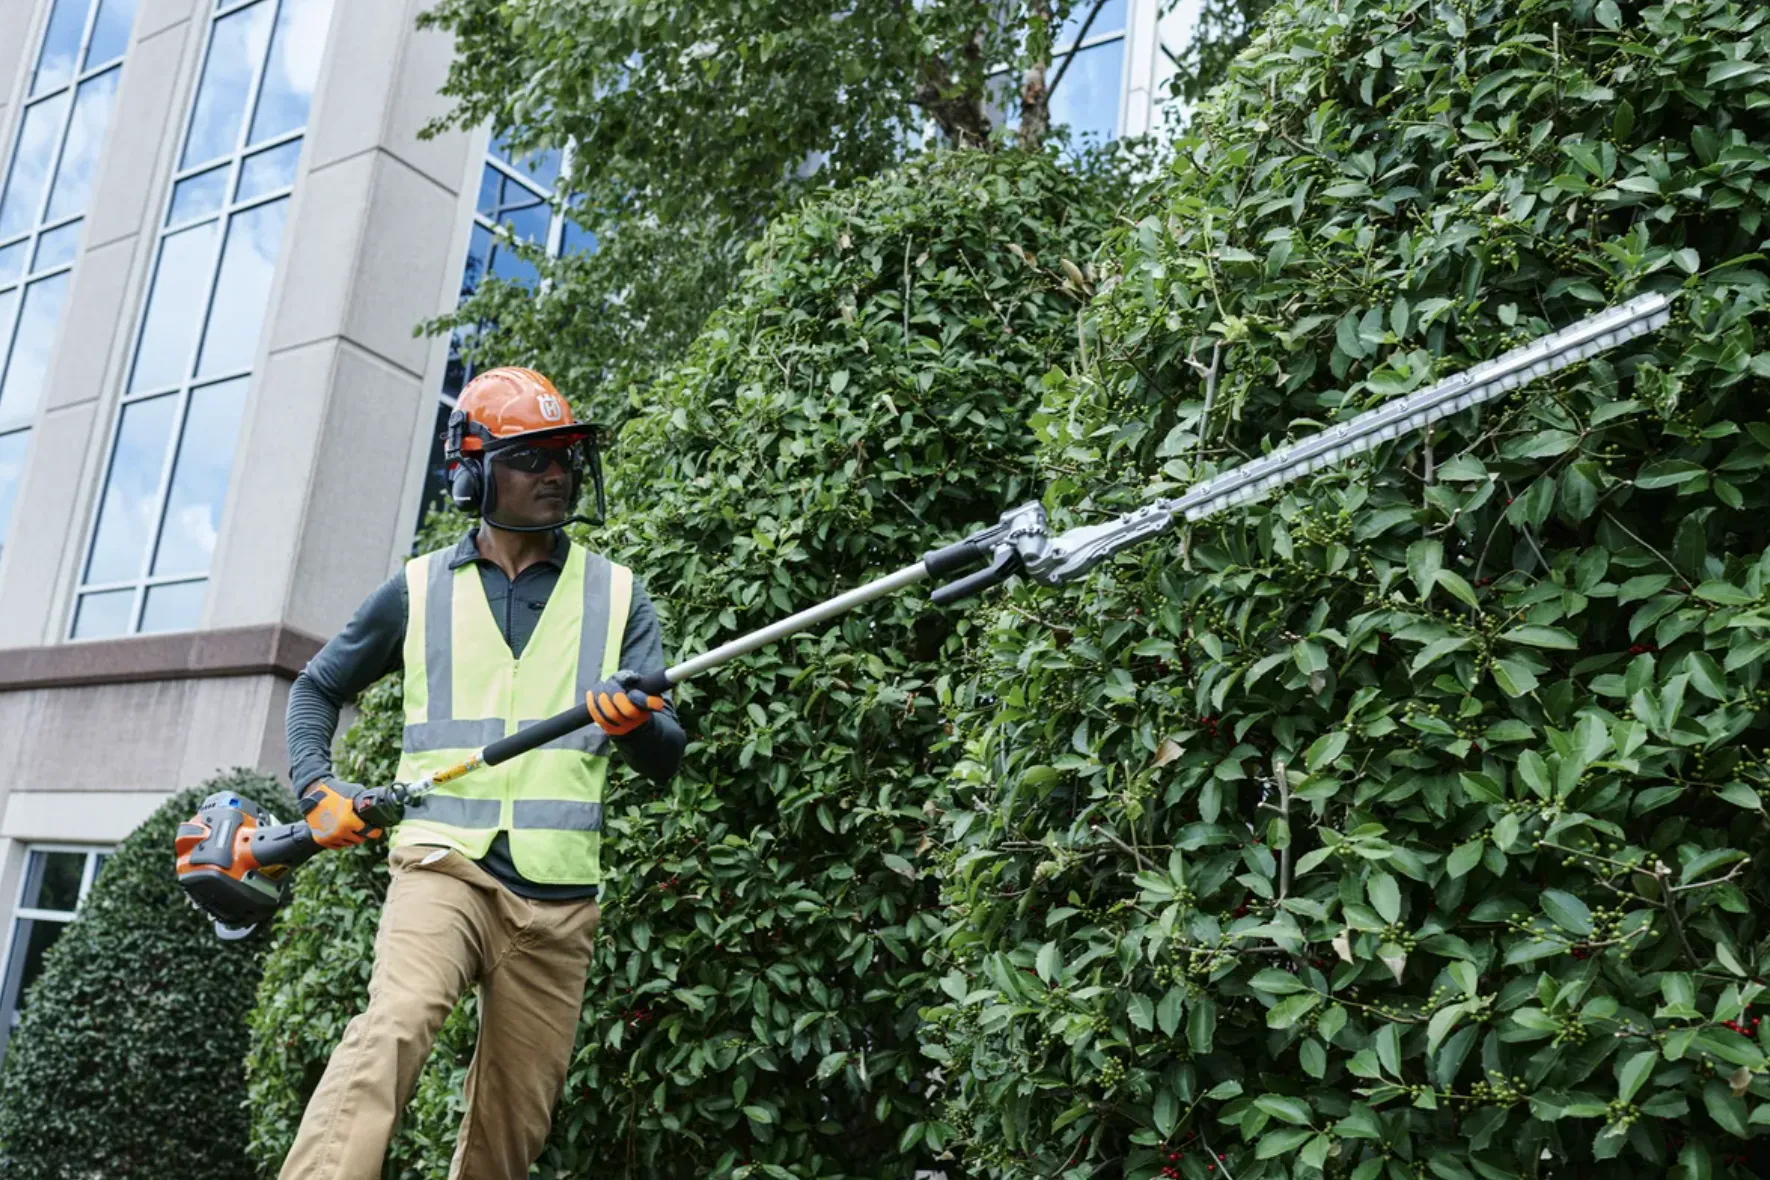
pixel 494 877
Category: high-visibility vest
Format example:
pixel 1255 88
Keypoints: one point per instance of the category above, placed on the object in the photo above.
pixel 464 689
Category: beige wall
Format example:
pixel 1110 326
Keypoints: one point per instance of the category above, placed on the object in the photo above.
pixel 323 495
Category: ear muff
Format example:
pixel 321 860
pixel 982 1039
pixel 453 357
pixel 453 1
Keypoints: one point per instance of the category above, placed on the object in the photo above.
pixel 467 485
pixel 467 482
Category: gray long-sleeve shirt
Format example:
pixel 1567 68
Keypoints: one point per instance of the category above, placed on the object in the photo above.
pixel 372 645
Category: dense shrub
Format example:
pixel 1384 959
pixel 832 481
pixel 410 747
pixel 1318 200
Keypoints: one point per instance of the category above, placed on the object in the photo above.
pixel 1410 823
pixel 861 397
pixel 127 1060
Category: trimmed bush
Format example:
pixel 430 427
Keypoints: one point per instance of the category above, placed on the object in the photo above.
pixel 128 1059
pixel 1410 823
pixel 752 1006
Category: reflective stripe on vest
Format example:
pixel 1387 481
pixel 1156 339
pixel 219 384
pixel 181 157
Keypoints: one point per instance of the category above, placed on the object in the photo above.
pixel 464 689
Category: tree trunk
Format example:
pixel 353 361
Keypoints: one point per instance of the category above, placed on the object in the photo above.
pixel 1035 96
pixel 958 113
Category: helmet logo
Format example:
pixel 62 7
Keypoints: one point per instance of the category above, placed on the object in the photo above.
pixel 550 408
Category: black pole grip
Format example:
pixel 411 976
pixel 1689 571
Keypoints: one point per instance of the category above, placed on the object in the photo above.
pixel 1006 563
pixel 536 735
pixel 286 844
pixel 654 684
pixel 960 555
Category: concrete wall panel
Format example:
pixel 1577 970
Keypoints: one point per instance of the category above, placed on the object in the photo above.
pixel 145 126
pixel 97 326
pixel 279 454
pixel 353 521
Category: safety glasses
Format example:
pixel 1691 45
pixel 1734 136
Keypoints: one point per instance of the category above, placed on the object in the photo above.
pixel 536 458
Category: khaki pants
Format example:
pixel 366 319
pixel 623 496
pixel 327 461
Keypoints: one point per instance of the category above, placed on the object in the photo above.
pixel 447 924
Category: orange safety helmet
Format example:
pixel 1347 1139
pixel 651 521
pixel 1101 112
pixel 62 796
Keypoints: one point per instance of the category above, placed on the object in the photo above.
pixel 506 408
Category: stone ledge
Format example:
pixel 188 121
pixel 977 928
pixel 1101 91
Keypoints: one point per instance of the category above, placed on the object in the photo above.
pixel 238 651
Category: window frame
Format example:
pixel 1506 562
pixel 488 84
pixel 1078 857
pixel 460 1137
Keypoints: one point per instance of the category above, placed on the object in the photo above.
pixel 39 226
pixel 95 854
pixel 223 217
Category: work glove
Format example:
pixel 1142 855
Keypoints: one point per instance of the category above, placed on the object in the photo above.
pixel 331 808
pixel 620 706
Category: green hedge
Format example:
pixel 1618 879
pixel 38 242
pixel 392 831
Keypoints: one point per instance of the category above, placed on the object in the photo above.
pixel 127 1060
pixel 1500 913
pixel 752 1007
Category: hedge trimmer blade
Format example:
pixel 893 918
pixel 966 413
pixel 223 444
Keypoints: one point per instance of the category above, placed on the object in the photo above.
pixel 1483 382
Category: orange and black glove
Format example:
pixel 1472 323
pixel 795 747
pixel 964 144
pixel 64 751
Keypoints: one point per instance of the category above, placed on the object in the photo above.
pixel 620 706
pixel 331 807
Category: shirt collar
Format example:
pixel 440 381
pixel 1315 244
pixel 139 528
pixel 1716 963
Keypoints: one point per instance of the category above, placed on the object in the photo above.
pixel 467 549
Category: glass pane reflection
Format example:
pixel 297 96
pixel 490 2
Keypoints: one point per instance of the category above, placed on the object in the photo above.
pixel 1110 20
pixel 242 289
pixel 13 448
pixel 236 45
pixel 199 480
pixel 30 165
pixel 86 135
pixel 100 616
pixel 110 32
pixel 132 490
pixel 268 171
pixel 198 196
pixel 61 43
pixel 292 69
pixel 177 607
pixel 22 387
pixel 1087 99
pixel 174 308
pixel 52 881
pixel 57 246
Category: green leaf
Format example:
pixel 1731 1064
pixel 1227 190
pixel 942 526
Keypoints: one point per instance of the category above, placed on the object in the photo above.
pixel 1424 560
pixel 1724 593
pixel 1167 1015
pixel 1313 1057
pixel 1726 1108
pixel 1464 857
pixel 1550 637
pixel 838 380
pixel 1385 895
pixel 1288 1011
pixel 1201 1024
pixel 1608 14
pixel 1276 982
pixel 1280 1140
pixel 1325 750
pixel 1514 678
pixel 1050 963
pixel 1167 1111
pixel 1389 1048
pixel 1729 69
pixel 760 1114
pixel 1142 1012
pixel 1284 1108
pixel 1458 586
pixel 1567 911
pixel 1741 795
pixel 1633 1073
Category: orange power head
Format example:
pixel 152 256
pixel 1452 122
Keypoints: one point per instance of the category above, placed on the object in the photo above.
pixel 233 862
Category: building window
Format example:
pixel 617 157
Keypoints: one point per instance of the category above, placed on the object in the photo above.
pixel 43 197
pixel 56 880
pixel 516 199
pixel 154 532
pixel 1088 70
pixel 1085 80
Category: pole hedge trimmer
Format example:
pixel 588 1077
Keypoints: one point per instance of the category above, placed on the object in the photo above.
pixel 234 860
